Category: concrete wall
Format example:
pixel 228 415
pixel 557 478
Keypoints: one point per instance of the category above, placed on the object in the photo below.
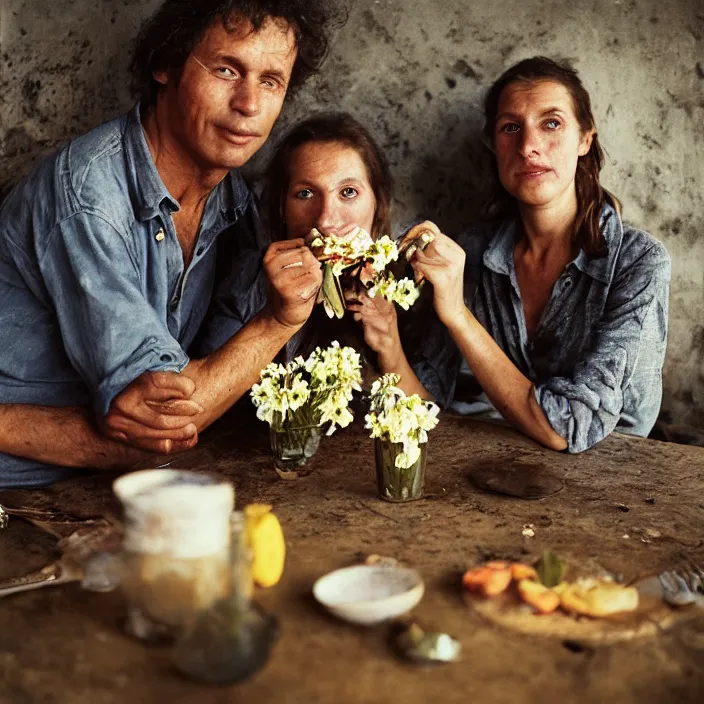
pixel 415 72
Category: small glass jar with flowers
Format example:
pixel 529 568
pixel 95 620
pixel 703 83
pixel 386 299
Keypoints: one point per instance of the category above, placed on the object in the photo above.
pixel 399 425
pixel 298 399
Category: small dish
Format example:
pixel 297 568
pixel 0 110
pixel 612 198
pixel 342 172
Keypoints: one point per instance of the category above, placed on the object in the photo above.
pixel 369 594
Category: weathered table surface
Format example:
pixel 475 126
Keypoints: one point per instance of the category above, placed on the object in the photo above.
pixel 63 644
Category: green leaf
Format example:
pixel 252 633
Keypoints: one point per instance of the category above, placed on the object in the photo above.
pixel 332 291
pixel 550 569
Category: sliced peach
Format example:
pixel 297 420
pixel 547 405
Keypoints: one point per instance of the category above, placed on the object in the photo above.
pixel 497 565
pixel 487 581
pixel 540 597
pixel 520 571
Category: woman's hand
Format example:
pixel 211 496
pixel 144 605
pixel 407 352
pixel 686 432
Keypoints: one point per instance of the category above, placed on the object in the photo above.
pixel 442 263
pixel 294 277
pixel 378 318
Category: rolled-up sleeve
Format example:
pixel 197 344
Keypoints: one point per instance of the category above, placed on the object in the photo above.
pixel 110 331
pixel 625 356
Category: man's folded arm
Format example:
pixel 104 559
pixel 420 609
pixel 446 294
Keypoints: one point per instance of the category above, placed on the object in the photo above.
pixel 112 336
pixel 223 377
pixel 110 331
pixel 67 437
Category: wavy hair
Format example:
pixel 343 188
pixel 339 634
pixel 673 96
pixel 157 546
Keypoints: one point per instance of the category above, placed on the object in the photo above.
pixel 591 195
pixel 167 39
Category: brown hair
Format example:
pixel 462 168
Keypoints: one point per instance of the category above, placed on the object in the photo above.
pixel 167 38
pixel 591 196
pixel 337 127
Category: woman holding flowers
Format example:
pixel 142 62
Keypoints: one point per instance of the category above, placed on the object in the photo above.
pixel 329 174
pixel 559 310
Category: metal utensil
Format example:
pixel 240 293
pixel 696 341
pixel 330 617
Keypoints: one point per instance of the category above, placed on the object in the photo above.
pixel 60 572
pixel 683 586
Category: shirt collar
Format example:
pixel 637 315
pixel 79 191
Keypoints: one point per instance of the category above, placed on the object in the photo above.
pixel 499 254
pixel 147 187
pixel 227 201
pixel 602 268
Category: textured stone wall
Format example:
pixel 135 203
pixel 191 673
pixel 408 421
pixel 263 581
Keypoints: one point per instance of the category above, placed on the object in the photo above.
pixel 415 72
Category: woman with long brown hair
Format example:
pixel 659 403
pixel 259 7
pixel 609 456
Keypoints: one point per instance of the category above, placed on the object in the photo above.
pixel 328 173
pixel 558 309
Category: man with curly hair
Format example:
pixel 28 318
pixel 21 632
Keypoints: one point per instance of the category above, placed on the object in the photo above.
pixel 111 248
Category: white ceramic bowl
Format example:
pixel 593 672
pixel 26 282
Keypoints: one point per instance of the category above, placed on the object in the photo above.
pixel 369 594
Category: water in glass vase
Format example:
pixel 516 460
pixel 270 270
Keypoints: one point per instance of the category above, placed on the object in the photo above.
pixel 396 484
pixel 292 448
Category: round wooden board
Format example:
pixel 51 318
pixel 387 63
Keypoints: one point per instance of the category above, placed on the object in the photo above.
pixel 508 611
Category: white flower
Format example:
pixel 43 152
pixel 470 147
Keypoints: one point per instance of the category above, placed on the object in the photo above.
pixel 313 391
pixel 404 292
pixel 381 253
pixel 396 418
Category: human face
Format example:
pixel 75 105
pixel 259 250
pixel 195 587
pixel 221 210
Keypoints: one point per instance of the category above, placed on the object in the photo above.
pixel 538 141
pixel 329 189
pixel 221 108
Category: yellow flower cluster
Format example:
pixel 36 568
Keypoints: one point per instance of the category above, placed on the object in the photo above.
pixel 336 373
pixel 309 392
pixel 381 253
pixel 360 247
pixel 405 292
pixel 395 417
pixel 281 389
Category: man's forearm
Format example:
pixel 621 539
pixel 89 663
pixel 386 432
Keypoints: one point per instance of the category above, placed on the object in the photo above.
pixel 64 436
pixel 223 377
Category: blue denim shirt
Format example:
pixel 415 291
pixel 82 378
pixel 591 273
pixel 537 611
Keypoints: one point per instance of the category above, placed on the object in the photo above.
pixel 92 280
pixel 597 353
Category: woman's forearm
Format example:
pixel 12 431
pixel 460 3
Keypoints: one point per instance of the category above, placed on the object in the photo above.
pixel 511 392
pixel 61 436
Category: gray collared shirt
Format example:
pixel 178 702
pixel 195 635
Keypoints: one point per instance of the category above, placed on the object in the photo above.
pixel 597 353
pixel 92 280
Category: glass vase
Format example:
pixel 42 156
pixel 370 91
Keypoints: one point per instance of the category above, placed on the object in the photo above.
pixel 292 448
pixel 396 484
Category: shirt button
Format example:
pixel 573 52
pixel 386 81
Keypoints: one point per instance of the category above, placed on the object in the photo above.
pixel 199 251
pixel 165 358
pixel 159 236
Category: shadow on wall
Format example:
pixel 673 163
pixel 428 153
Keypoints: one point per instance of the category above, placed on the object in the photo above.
pixel 452 189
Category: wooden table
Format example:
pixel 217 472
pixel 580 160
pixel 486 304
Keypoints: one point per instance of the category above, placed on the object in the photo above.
pixel 63 644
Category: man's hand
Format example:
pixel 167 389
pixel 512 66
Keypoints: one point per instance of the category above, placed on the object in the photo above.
pixel 294 276
pixel 442 263
pixel 155 413
pixel 378 318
